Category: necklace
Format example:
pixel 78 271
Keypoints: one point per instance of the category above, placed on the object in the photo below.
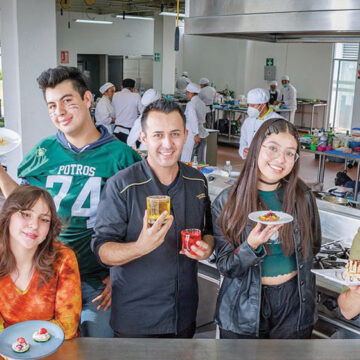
pixel 268 183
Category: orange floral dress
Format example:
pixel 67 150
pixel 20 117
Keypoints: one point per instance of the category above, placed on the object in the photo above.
pixel 58 300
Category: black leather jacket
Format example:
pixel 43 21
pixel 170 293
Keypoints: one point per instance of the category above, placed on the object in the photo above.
pixel 239 300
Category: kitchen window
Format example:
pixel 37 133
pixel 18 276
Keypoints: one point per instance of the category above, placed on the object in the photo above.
pixel 343 85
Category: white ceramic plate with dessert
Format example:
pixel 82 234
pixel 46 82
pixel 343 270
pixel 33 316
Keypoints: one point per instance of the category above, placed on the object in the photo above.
pixel 9 140
pixel 17 341
pixel 269 217
pixel 337 275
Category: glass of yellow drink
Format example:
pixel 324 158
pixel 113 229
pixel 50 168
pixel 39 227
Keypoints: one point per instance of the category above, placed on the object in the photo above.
pixel 156 205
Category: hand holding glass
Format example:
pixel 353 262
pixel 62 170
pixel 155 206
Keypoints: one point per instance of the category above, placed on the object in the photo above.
pixel 156 205
pixel 189 237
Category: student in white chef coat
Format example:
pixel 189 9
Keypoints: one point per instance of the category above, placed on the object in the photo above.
pixel 289 98
pixel 127 106
pixel 195 113
pixel 149 97
pixel 258 111
pixel 207 95
pixel 104 111
pixel 275 93
pixel 183 81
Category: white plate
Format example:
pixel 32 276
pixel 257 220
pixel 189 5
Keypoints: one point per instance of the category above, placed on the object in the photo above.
pixel 284 217
pixel 335 275
pixel 13 140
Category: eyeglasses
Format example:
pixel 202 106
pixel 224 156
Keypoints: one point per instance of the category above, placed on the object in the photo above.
pixel 274 152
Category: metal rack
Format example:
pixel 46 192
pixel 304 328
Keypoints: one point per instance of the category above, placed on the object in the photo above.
pixel 230 116
pixel 314 108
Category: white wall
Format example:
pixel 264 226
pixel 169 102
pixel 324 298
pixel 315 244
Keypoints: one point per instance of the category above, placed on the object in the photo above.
pixel 222 61
pixel 27 49
pixel 308 65
pixel 239 64
pixel 124 37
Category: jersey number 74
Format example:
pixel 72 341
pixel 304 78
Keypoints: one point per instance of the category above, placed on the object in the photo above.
pixel 92 188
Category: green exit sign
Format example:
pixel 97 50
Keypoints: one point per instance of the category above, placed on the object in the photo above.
pixel 269 61
pixel 157 57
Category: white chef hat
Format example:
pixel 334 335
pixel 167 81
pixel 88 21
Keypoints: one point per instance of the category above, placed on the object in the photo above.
pixel 193 88
pixel 285 77
pixel 185 73
pixel 273 83
pixel 204 81
pixel 150 96
pixel 106 87
pixel 258 96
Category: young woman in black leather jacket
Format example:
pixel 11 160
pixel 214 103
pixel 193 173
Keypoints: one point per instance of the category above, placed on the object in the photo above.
pixel 268 289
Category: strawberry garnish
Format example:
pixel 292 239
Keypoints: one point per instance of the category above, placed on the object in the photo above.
pixel 42 331
pixel 21 340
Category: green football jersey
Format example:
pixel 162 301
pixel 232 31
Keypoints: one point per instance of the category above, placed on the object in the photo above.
pixel 75 181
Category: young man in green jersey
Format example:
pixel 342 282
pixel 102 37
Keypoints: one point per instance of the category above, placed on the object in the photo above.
pixel 73 166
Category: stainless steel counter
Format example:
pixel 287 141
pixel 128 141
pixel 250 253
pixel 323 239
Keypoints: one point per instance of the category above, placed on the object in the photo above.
pixel 176 349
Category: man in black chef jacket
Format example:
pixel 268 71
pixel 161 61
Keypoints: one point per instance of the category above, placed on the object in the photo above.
pixel 153 282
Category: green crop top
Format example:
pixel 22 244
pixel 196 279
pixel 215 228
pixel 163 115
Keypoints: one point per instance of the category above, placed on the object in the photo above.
pixel 275 262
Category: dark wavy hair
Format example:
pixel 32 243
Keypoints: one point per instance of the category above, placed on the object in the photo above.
pixel 244 198
pixel 24 198
pixel 54 76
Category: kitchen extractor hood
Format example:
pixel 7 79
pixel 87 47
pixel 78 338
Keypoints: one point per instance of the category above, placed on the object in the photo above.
pixel 275 20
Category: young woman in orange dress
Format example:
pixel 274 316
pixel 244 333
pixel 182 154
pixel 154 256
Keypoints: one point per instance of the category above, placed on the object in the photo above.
pixel 39 277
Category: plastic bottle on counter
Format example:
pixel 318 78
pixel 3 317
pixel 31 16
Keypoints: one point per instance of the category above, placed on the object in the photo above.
pixel 330 137
pixel 323 140
pixel 228 167
pixel 346 139
pixel 316 132
pixel 315 137
pixel 336 142
pixel 195 162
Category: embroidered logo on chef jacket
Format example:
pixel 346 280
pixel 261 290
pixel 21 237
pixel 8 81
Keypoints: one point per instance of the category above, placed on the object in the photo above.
pixel 201 196
pixel 40 152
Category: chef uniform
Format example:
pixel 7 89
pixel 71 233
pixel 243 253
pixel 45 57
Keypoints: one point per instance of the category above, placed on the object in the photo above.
pixel 149 97
pixel 182 82
pixel 127 106
pixel 275 93
pixel 207 95
pixel 254 121
pixel 195 113
pixel 104 111
pixel 289 98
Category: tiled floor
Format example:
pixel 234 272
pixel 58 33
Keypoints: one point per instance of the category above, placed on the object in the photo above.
pixel 308 166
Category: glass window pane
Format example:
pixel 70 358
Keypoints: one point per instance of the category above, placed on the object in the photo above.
pixel 345 94
pixel 343 85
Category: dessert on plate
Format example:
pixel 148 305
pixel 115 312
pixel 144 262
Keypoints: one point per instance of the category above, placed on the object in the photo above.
pixel 269 216
pixel 21 345
pixel 41 335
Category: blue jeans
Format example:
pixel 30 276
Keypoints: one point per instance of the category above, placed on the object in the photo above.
pixel 94 323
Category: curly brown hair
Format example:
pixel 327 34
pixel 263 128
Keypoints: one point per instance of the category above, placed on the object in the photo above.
pixel 24 198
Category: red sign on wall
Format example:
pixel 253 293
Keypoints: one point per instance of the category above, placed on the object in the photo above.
pixel 64 57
